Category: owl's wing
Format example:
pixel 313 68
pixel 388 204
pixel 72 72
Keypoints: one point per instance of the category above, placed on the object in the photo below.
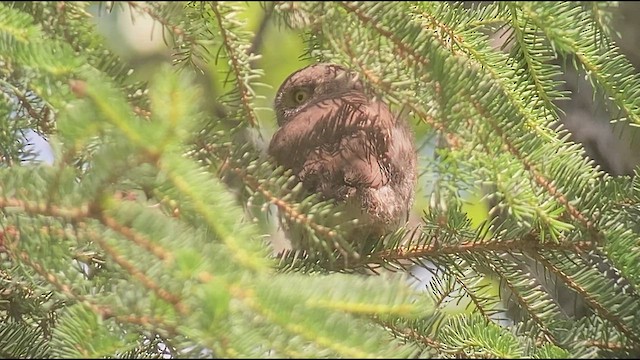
pixel 372 155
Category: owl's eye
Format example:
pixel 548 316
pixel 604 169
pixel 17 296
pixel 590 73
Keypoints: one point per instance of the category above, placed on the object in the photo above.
pixel 300 96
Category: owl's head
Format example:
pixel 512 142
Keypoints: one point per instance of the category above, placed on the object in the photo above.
pixel 312 84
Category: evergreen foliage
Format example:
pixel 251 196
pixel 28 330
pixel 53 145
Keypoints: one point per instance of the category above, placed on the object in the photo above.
pixel 148 236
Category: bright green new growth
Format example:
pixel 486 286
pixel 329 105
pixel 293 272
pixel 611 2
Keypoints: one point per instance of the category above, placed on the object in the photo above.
pixel 150 231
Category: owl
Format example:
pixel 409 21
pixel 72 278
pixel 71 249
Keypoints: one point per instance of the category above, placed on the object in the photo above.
pixel 346 146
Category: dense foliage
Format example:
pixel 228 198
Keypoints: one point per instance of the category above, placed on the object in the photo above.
pixel 149 234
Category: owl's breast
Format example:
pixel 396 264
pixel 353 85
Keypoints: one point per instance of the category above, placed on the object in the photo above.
pixel 354 151
pixel 340 169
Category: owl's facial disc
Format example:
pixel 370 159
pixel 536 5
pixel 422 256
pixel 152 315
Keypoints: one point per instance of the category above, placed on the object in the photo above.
pixel 312 84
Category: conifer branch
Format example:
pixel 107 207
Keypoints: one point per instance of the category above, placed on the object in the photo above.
pixel 41 270
pixel 589 298
pixel 525 245
pixel 199 272
pixel 611 345
pixel 445 34
pixel 42 116
pixel 527 303
pixel 284 207
pixel 476 299
pixel 533 61
pixel 138 274
pixel 412 334
pixel 9 238
pixel 176 30
pixel 328 236
pixel 480 61
pixel 620 85
pixel 51 278
pixel 230 48
pixel 404 49
pixel 77 213
pixel 135 237
pixel 82 213
pixel 386 88
pixel 539 178
pixel 176 169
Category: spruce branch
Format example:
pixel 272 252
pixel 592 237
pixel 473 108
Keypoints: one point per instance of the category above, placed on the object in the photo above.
pixel 620 85
pixel 177 31
pixel 135 237
pixel 615 346
pixel 153 219
pixel 138 274
pixel 412 334
pixel 11 247
pixel 534 54
pixel 403 48
pixel 542 310
pixel 242 77
pixel 525 245
pixel 10 237
pixel 40 208
pixel 539 178
pixel 375 80
pixel 623 322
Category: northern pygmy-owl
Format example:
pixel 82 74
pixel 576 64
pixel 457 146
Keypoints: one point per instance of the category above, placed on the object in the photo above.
pixel 346 146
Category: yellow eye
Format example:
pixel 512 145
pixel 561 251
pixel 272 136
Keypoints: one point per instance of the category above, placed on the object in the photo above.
pixel 300 96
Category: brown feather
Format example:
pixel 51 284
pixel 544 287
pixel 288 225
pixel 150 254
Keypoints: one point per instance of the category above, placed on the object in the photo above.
pixel 345 146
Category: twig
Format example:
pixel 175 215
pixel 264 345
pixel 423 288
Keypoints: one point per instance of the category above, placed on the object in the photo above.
pixel 258 39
